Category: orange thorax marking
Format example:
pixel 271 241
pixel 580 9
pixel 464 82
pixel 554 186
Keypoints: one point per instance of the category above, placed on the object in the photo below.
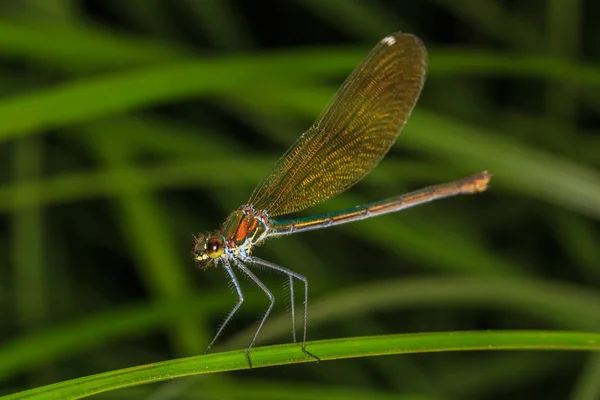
pixel 242 226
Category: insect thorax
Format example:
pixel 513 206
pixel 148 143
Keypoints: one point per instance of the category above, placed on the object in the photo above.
pixel 245 228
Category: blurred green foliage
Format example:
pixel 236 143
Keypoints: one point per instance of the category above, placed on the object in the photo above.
pixel 127 126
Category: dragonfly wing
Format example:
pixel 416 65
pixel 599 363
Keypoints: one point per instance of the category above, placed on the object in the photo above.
pixel 354 132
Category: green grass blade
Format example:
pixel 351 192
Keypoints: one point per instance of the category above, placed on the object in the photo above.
pixel 99 97
pixel 565 306
pixel 80 48
pixel 334 349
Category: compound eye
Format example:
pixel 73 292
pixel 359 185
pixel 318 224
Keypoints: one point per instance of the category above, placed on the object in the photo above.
pixel 214 247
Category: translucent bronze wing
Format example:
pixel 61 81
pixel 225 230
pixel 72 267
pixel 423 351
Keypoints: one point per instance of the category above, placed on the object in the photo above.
pixel 354 132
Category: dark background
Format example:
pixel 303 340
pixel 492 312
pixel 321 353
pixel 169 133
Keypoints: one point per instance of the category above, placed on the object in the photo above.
pixel 128 126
